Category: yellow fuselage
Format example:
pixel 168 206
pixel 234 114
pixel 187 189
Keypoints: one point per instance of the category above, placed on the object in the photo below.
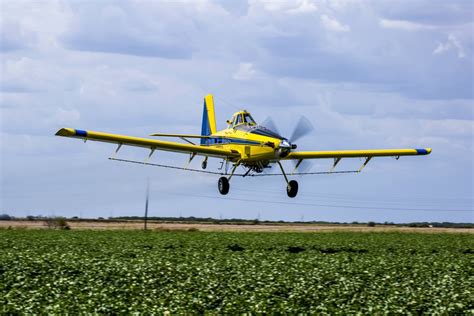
pixel 251 147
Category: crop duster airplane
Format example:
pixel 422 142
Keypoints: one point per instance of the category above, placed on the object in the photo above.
pixel 243 143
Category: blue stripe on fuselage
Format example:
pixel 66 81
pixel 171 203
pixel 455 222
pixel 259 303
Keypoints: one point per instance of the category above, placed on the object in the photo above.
pixel 238 141
pixel 421 152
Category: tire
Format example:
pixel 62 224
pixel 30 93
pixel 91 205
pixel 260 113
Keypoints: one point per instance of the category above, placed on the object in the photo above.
pixel 204 165
pixel 292 188
pixel 223 185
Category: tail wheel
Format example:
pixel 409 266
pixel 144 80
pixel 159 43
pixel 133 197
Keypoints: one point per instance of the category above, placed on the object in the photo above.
pixel 223 185
pixel 292 188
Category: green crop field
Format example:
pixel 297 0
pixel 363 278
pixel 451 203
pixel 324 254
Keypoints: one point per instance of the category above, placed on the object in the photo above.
pixel 335 273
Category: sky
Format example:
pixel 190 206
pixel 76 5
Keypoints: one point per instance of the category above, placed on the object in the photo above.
pixel 367 74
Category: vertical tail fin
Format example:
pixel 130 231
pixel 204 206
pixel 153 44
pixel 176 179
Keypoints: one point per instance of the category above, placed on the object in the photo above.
pixel 208 119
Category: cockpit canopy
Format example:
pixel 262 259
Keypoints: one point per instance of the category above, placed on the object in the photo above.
pixel 242 118
pixel 243 121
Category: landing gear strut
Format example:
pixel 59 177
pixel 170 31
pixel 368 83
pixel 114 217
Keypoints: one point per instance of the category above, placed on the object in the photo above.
pixel 292 186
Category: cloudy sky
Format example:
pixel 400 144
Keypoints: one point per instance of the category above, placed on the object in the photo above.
pixel 368 74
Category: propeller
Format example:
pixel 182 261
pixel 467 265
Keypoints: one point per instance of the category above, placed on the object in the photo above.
pixel 301 129
pixel 270 124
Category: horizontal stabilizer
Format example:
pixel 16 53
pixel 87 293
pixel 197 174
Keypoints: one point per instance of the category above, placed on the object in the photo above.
pixel 180 135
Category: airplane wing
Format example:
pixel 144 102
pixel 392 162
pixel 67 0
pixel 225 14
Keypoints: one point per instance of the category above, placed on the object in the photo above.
pixel 367 154
pixel 147 143
pixel 357 153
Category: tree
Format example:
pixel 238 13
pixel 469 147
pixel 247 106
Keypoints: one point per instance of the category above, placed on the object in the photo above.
pixel 56 223
pixel 5 217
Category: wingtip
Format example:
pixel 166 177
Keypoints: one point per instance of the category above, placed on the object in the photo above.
pixel 423 151
pixel 66 132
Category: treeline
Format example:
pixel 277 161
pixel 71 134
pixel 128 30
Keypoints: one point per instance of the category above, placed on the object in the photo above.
pixel 240 221
pixel 440 224
pixel 193 219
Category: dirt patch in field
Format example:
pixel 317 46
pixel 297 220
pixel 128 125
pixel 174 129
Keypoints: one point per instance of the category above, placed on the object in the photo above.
pixel 135 225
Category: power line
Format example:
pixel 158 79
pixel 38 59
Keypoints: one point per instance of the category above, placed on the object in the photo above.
pixel 351 199
pixel 290 203
pixel 341 195
pixel 320 205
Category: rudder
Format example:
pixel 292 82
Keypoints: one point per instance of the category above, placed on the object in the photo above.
pixel 208 119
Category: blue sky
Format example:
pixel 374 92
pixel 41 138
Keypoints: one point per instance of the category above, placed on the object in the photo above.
pixel 368 74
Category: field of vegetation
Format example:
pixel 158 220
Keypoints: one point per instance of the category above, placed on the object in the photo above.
pixel 51 271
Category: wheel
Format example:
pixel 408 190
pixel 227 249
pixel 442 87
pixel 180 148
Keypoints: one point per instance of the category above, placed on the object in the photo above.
pixel 223 185
pixel 292 188
pixel 204 164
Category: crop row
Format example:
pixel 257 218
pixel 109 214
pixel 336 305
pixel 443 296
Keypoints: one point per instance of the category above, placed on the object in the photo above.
pixel 334 273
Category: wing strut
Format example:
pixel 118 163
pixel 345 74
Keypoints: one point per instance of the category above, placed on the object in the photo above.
pixel 297 165
pixel 336 161
pixel 116 151
pixel 365 163
pixel 191 157
pixel 149 156
pixel 186 140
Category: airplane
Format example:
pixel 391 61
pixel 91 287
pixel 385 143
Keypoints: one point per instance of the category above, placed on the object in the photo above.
pixel 243 143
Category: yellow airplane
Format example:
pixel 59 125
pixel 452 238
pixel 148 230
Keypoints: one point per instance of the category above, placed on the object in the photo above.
pixel 242 143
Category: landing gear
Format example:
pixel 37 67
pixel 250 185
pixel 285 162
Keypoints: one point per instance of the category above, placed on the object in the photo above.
pixel 292 188
pixel 204 163
pixel 223 185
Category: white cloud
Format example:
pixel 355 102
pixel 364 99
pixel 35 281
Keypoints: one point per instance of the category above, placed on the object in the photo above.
pixel 26 22
pixel 331 24
pixel 65 116
pixel 304 6
pixel 451 43
pixel 24 74
pixel 441 48
pixel 455 129
pixel 289 7
pixel 404 25
pixel 14 36
pixel 246 71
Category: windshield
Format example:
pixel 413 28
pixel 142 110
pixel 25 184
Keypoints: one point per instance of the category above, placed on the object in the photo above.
pixel 238 119
pixel 248 119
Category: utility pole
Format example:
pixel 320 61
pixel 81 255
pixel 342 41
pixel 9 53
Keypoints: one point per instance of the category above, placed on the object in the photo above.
pixel 146 202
